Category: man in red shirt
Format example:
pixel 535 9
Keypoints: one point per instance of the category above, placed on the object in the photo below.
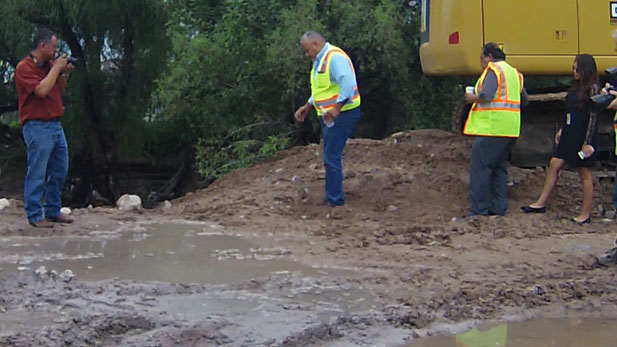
pixel 40 82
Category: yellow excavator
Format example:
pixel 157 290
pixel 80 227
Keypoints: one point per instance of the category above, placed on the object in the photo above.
pixel 539 37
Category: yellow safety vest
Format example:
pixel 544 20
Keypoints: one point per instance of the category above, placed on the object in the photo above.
pixel 500 117
pixel 324 92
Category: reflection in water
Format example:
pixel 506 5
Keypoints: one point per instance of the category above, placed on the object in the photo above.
pixel 183 253
pixel 495 337
pixel 568 332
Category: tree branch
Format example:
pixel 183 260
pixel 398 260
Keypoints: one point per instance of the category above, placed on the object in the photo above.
pixel 9 108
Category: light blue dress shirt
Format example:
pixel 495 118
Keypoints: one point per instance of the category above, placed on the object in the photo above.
pixel 341 73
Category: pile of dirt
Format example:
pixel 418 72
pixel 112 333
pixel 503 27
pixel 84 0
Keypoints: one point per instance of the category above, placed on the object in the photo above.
pixel 409 179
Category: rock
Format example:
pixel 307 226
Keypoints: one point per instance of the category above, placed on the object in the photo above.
pixel 4 203
pixel 65 210
pixel 41 271
pixel 67 275
pixel 166 205
pixel 129 202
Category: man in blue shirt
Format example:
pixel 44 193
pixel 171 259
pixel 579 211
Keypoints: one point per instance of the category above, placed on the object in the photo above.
pixel 335 97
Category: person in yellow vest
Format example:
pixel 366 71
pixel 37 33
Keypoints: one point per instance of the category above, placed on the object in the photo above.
pixel 495 120
pixel 336 99
pixel 613 106
pixel 576 138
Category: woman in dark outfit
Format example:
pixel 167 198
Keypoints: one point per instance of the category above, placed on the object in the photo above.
pixel 576 134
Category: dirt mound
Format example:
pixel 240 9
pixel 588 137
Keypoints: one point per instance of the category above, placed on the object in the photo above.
pixel 417 177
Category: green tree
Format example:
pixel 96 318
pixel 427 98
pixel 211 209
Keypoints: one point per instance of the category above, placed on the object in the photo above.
pixel 248 68
pixel 122 47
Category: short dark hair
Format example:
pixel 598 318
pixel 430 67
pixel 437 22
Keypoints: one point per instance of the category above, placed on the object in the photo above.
pixel 493 49
pixel 42 35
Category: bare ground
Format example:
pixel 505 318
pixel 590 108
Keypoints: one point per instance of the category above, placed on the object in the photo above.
pixel 402 234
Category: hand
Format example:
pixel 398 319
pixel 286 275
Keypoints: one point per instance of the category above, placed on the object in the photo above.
pixel 69 67
pixel 471 98
pixel 588 150
pixel 60 63
pixel 604 90
pixel 302 112
pixel 612 105
pixel 331 114
pixel 557 137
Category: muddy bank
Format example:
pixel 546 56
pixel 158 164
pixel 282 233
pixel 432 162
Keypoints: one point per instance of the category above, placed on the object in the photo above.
pixel 399 261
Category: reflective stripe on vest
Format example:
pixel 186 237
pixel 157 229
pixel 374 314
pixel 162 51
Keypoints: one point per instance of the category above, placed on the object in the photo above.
pixel 325 93
pixel 501 116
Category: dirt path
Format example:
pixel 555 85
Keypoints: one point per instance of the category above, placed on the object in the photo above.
pixel 400 244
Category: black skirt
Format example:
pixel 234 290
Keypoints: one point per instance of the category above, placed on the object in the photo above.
pixel 573 132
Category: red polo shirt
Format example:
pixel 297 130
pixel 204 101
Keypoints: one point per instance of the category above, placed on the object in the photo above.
pixel 27 77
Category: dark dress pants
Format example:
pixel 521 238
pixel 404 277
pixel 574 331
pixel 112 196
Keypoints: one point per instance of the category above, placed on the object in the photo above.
pixel 489 175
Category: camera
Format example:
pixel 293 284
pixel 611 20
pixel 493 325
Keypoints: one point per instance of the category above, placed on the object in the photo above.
pixel 70 59
pixel 600 102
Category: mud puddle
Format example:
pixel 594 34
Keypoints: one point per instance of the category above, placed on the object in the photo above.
pixel 177 253
pixel 188 276
pixel 567 332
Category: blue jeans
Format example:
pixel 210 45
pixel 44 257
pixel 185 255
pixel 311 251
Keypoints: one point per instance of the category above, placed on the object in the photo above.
pixel 489 175
pixel 48 163
pixel 334 140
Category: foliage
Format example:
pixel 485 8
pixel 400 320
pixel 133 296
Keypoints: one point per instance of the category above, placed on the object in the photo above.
pixel 214 159
pixel 248 68
pixel 122 48
pixel 157 77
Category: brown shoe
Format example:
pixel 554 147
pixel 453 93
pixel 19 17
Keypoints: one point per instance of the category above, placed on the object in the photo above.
pixel 61 218
pixel 42 224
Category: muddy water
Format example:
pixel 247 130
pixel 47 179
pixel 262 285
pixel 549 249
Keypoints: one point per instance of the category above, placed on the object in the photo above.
pixel 182 253
pixel 569 332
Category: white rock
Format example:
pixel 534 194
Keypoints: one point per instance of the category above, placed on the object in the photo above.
pixel 65 210
pixel 67 275
pixel 129 202
pixel 166 204
pixel 4 203
pixel 41 271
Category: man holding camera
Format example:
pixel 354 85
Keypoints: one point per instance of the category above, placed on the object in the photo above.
pixel 41 80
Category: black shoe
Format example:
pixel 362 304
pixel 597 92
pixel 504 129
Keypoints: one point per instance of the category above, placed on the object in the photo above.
pixel 529 209
pixel 586 221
